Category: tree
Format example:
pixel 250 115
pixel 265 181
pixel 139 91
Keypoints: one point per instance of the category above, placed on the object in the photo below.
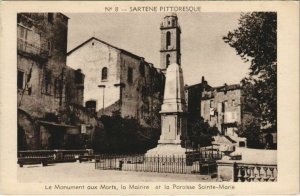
pixel 255 40
pixel 200 132
pixel 124 135
pixel 250 129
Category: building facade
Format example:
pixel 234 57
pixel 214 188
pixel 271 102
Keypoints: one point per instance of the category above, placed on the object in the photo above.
pixel 193 98
pixel 222 107
pixel 45 85
pixel 170 41
pixel 41 61
pixel 117 81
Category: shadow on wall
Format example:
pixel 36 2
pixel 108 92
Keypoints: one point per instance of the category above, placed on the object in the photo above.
pixel 28 133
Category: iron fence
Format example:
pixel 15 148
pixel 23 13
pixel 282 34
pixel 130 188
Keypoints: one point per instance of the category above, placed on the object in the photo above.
pixel 187 164
pixel 53 156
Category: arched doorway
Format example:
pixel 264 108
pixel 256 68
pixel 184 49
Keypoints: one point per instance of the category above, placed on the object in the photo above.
pixel 28 133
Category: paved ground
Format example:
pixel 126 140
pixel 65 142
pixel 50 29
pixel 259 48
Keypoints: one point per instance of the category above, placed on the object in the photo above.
pixel 86 172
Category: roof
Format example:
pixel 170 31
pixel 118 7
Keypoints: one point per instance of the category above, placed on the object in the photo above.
pixel 56 124
pixel 194 85
pixel 94 38
pixel 203 83
pixel 64 15
pixel 226 87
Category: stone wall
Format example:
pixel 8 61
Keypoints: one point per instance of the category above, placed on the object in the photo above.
pixel 142 96
pixel 170 41
pixel 45 84
pixel 28 132
pixel 139 96
pixel 219 106
pixel 41 50
pixel 130 92
pixel 258 169
pixel 74 83
pixel 91 58
pixel 194 98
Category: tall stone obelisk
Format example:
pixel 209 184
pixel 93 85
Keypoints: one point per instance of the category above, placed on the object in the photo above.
pixel 173 115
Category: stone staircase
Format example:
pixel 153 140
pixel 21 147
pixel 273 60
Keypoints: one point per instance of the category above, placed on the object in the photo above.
pixel 229 140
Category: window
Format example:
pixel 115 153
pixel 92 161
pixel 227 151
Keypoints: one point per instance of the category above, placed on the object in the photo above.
pixel 211 103
pixel 22 33
pixel 168 39
pixel 58 88
pixel 78 77
pixel 142 69
pixel 49 48
pixel 46 89
pixel 20 79
pixel 50 18
pixel 22 37
pixel 104 73
pixel 233 103
pixel 168 60
pixel 91 106
pixel 130 75
pixel 173 23
pixel 224 105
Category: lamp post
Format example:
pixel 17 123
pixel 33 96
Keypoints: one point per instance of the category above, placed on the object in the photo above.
pixel 121 86
pixel 103 95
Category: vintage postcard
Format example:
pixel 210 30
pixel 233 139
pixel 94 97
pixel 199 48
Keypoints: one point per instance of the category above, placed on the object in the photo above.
pixel 193 97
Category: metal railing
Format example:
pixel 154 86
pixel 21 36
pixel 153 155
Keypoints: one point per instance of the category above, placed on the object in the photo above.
pixel 53 155
pixel 31 48
pixel 186 164
pixel 206 153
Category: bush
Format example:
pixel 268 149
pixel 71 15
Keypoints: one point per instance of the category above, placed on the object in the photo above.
pixel 124 136
pixel 200 132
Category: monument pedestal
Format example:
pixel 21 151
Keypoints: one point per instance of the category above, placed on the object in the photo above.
pixel 167 150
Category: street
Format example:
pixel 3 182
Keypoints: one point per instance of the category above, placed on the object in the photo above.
pixel 86 172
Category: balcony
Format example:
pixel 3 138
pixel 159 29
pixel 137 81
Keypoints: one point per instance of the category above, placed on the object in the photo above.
pixel 28 49
pixel 31 44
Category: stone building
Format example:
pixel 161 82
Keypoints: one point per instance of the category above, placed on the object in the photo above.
pixel 193 98
pixel 222 107
pixel 45 85
pixel 118 81
pixel 170 41
pixel 41 61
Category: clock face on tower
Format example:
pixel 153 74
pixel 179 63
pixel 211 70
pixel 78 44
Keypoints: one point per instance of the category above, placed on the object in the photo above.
pixel 170 41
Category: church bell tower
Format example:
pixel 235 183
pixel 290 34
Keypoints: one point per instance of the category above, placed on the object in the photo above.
pixel 170 42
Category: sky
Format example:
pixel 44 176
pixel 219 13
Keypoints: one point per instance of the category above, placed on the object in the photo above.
pixel 204 53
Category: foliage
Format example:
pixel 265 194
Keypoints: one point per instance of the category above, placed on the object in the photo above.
pixel 200 133
pixel 250 129
pixel 153 118
pixel 123 135
pixel 255 40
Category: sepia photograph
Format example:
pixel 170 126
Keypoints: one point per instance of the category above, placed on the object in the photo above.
pixel 192 94
pixel 149 98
